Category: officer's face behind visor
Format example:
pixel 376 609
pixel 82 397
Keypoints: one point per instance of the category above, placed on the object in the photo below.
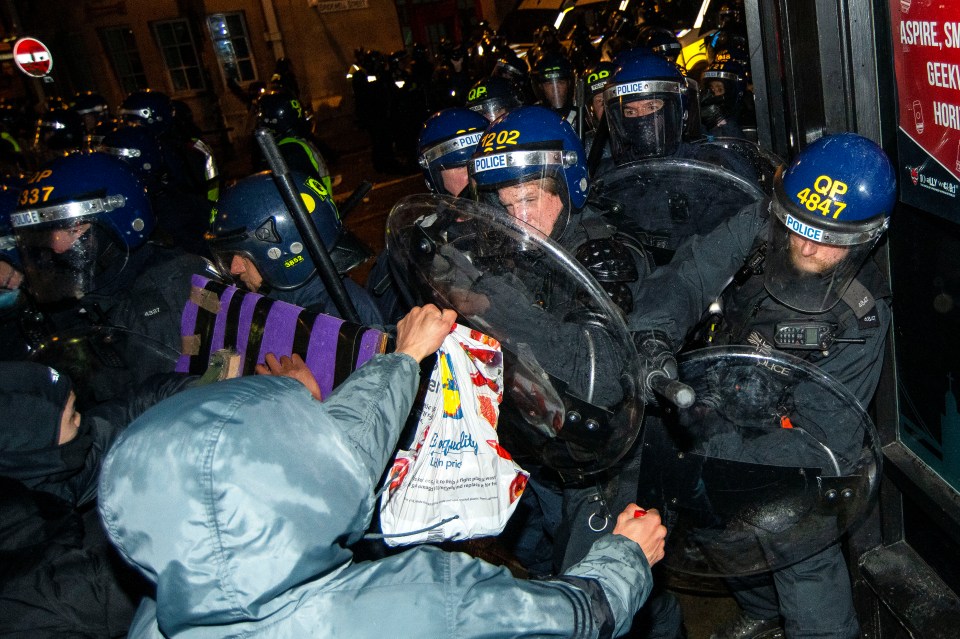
pixel 239 266
pixel 811 260
pixel 643 124
pixel 67 260
pixel 536 203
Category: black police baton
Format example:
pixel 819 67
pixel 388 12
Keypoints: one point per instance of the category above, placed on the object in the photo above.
pixel 315 246
pixel 600 138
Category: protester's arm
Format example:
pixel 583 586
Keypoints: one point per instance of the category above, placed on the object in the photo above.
pixel 430 592
pixel 372 404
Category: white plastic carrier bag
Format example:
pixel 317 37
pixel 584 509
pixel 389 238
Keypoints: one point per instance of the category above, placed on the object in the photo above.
pixel 457 482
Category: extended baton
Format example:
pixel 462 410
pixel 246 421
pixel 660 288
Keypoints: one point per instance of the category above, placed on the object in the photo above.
pixel 315 246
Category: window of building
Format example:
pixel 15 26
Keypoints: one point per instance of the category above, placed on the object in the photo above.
pixel 121 48
pixel 231 43
pixel 176 43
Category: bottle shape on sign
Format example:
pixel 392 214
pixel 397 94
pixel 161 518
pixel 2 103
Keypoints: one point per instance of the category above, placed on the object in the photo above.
pixel 918 116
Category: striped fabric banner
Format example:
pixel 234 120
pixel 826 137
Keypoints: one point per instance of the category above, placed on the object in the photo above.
pixel 218 316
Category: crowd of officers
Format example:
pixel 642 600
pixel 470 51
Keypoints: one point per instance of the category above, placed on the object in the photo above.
pixel 120 210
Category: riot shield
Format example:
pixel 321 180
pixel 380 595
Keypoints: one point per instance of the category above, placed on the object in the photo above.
pixel 662 202
pixel 571 400
pixel 764 162
pixel 104 362
pixel 772 464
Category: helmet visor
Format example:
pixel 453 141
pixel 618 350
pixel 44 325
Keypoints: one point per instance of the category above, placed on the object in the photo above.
pixel 494 107
pixel 647 122
pixel 526 185
pixel 555 92
pixel 69 258
pixel 446 162
pixel 809 265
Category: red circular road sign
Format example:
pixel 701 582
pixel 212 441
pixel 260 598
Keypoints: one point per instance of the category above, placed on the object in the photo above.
pixel 32 57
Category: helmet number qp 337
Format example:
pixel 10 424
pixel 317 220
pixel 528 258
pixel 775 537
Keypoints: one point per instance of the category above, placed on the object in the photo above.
pixel 32 196
pixel 499 138
pixel 823 197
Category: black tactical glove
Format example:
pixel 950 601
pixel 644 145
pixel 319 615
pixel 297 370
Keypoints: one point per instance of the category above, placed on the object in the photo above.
pixel 656 361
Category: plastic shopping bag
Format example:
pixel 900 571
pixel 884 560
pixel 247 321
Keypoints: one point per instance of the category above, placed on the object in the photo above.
pixel 456 482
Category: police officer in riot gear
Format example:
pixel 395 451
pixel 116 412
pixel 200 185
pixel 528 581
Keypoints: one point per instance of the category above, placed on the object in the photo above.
pixel 553 84
pixel 722 99
pixel 282 114
pixel 190 168
pixel 83 228
pixel 792 273
pixel 59 132
pixel 530 164
pixel 664 187
pixel 595 80
pixel 447 141
pixel 182 217
pixel 255 239
pixel 493 97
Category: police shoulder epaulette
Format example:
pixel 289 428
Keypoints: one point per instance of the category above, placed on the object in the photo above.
pixel 861 302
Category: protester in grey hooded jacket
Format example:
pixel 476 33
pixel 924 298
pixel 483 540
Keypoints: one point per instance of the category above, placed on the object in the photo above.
pixel 240 500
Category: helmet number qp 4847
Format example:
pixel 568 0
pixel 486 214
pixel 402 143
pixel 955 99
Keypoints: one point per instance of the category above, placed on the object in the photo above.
pixel 823 197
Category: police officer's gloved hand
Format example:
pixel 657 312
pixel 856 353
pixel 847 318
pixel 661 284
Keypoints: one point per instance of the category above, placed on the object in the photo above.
pixel 711 111
pixel 656 360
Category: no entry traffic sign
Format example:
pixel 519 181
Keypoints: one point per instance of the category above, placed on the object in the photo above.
pixel 32 57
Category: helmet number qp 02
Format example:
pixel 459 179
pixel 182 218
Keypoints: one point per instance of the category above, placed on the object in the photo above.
pixel 33 196
pixel 823 197
pixel 501 139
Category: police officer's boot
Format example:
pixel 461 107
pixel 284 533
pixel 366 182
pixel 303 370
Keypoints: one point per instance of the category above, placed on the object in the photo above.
pixel 743 627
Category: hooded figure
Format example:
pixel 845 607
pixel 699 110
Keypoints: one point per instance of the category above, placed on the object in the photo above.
pixel 240 500
pixel 59 576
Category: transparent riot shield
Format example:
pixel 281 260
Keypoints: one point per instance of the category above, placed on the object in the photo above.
pixel 764 162
pixel 772 464
pixel 662 202
pixel 571 399
pixel 104 362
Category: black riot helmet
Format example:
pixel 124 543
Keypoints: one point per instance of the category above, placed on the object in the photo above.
pixel 59 131
pixel 595 80
pixel 553 81
pixel 280 112
pixel 661 41
pixel 151 109
pixel 492 98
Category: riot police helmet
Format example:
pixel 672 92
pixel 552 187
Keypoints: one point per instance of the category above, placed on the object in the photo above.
pixel 726 82
pixel 77 222
pixel 492 97
pixel 251 222
pixel 91 107
pixel 138 148
pixel 446 142
pixel 279 111
pixel 595 80
pixel 645 106
pixel 552 80
pixel 531 163
pixel 9 199
pixel 661 41
pixel 151 109
pixel 60 131
pixel 830 206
